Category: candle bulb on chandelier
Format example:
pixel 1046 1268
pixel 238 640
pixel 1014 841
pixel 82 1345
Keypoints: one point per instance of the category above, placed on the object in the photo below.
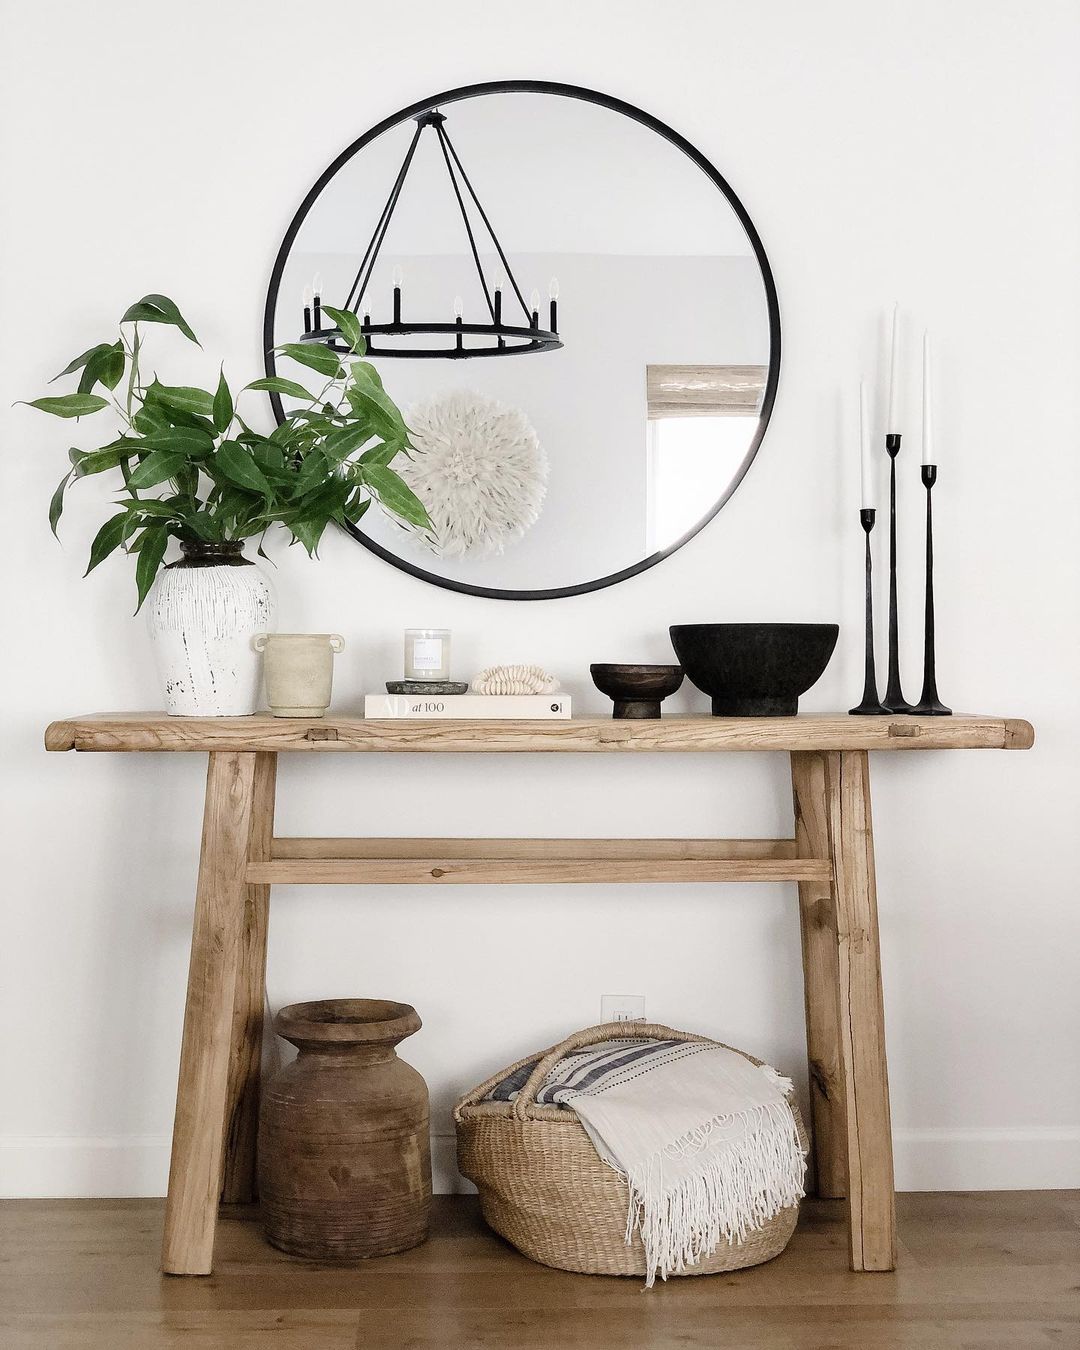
pixel 397 278
pixel 534 305
pixel 458 311
pixel 553 297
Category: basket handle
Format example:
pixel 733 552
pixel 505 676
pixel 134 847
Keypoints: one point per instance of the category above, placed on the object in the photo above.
pixel 606 1031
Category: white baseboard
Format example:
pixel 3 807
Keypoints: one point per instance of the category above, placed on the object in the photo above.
pixel 1024 1158
pixel 1027 1158
pixel 66 1166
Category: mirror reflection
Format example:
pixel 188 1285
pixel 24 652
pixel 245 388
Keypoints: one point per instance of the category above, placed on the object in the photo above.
pixel 621 274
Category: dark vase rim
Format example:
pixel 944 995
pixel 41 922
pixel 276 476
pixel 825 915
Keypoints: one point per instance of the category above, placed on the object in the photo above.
pixel 208 553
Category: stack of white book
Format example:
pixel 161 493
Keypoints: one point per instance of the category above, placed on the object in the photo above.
pixel 486 707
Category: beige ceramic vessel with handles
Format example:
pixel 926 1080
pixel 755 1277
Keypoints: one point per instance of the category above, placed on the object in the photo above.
pixel 299 670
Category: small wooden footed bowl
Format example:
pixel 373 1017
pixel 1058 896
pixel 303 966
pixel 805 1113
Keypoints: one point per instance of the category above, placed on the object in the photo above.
pixel 637 691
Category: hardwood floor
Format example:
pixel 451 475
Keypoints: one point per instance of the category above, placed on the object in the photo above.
pixel 981 1271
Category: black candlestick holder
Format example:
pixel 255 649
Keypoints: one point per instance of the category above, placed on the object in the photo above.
pixel 894 699
pixel 871 705
pixel 929 705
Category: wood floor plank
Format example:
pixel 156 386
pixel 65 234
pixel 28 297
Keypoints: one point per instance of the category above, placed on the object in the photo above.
pixel 989 1271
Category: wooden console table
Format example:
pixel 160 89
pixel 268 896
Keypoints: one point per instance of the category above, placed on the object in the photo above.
pixel 831 856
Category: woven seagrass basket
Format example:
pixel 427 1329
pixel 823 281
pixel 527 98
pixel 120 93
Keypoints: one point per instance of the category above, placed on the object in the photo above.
pixel 544 1187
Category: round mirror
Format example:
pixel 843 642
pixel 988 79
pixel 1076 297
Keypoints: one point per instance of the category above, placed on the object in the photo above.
pixel 574 313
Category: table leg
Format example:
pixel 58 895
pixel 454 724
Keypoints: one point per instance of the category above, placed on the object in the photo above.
pixel 821 981
pixel 245 1059
pixel 195 1171
pixel 871 1197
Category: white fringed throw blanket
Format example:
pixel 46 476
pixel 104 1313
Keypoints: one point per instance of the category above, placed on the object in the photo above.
pixel 706 1140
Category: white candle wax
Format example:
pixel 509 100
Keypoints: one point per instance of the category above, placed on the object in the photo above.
pixel 869 496
pixel 928 453
pixel 893 425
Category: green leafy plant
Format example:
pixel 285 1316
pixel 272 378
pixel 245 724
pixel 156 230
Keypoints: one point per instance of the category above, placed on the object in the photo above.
pixel 194 469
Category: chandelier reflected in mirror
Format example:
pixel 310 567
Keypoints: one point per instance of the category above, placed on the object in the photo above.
pixel 498 335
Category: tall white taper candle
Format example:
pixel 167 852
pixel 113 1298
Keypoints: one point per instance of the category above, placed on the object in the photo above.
pixel 928 453
pixel 893 425
pixel 869 495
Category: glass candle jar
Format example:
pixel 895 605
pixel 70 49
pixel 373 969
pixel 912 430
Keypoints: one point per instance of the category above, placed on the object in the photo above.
pixel 427 653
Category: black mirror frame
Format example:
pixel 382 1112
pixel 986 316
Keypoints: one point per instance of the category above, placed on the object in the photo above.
pixel 692 153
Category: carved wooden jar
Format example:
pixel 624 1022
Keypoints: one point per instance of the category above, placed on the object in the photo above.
pixel 344 1144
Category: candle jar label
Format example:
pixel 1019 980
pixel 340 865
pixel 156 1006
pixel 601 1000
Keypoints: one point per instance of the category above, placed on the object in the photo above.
pixel 427 653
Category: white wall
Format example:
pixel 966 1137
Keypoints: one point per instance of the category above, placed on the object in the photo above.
pixel 923 151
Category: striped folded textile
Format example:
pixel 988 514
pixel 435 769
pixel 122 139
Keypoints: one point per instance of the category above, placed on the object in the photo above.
pixel 705 1138
pixel 583 1068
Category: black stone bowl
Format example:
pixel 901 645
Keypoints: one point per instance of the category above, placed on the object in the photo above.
pixel 754 669
pixel 637 690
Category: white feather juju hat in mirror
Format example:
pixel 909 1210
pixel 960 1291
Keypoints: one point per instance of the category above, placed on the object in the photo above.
pixel 479 468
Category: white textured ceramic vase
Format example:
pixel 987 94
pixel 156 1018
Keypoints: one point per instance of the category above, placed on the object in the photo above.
pixel 202 614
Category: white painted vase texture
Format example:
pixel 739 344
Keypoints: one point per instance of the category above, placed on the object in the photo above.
pixel 201 622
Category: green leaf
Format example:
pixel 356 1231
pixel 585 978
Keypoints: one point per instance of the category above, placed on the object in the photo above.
pixel 150 418
pixel 368 400
pixel 139 506
pixel 356 508
pixel 365 372
pixel 151 551
pixel 81 361
pixel 104 367
pixel 395 495
pixel 275 384
pixel 127 445
pixel 223 404
pixel 106 541
pixel 95 462
pixel 187 441
pixel 134 521
pixel 112 367
pixel 349 325
pixel 312 474
pixel 383 453
pixel 158 466
pixel 158 309
pixel 184 397
pixel 56 505
pixel 133 373
pixel 269 457
pixel 309 531
pixel 203 524
pixel 187 480
pixel 315 356
pixel 70 405
pixel 238 467
pixel 340 444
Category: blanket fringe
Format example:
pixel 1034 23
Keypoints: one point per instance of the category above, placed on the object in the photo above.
pixel 755 1168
